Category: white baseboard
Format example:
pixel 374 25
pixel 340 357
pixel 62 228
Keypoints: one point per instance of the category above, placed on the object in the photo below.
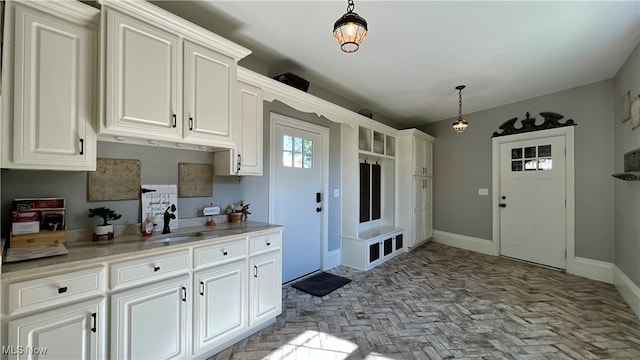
pixel 464 242
pixel 332 259
pixel 628 289
pixel 592 269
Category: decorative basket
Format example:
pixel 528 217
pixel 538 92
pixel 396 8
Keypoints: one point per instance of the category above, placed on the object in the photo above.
pixel 236 217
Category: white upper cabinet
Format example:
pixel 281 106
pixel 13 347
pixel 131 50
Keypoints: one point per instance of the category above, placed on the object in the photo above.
pixel 166 79
pixel 142 81
pixel 208 89
pixel 48 86
pixel 247 157
pixel 422 156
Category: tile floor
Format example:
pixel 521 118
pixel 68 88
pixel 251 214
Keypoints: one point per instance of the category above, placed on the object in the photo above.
pixel 440 302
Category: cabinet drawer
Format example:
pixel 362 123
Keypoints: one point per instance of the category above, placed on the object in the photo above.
pixel 212 254
pixel 264 243
pixel 54 290
pixel 148 269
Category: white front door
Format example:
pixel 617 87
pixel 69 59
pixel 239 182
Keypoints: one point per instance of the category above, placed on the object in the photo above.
pixel 297 199
pixel 533 200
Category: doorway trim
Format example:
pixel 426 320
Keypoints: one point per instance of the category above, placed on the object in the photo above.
pixel 279 119
pixel 568 133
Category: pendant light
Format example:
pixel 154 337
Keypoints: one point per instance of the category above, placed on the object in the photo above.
pixel 350 30
pixel 460 124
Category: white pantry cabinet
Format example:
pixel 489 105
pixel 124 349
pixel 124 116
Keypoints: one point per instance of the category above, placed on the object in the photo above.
pixel 166 79
pixel 246 159
pixel 71 332
pixel 151 321
pixel 414 211
pixel 49 85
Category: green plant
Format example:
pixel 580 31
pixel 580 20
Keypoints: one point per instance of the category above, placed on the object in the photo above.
pixel 105 213
pixel 238 207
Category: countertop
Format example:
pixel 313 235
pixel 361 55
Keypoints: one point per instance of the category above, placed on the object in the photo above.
pixel 86 251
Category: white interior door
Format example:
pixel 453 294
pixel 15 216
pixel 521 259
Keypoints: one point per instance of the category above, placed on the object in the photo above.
pixel 533 200
pixel 297 196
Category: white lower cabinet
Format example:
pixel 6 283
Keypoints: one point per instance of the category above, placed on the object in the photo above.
pixel 266 287
pixel 220 304
pixel 151 321
pixel 70 332
pixel 373 249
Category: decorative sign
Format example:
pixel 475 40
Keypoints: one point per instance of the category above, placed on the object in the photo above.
pixel 161 201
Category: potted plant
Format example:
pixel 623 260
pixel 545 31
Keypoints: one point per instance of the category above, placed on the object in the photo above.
pixel 107 215
pixel 237 212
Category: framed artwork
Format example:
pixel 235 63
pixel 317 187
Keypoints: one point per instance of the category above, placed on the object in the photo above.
pixel 195 180
pixel 626 106
pixel 635 112
pixel 114 179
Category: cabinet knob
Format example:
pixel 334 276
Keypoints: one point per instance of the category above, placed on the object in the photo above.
pixel 224 253
pixel 156 268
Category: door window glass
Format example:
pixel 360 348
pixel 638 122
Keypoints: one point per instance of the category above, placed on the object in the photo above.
pixel 297 152
pixel 534 158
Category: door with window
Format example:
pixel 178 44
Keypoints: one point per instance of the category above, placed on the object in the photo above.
pixel 297 194
pixel 533 200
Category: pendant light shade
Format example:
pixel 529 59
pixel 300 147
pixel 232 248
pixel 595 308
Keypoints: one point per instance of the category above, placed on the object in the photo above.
pixel 349 30
pixel 460 124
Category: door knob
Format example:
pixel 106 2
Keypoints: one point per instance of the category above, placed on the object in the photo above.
pixel 318 209
pixel 503 205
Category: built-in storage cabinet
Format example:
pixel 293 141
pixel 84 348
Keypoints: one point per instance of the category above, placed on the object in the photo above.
pixel 376 142
pixel 415 186
pixel 190 301
pixel 70 332
pixel 246 157
pixel 49 86
pixel 373 248
pixel 166 80
pixel 151 321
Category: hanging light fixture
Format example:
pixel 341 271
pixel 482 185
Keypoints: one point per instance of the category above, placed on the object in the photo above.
pixel 460 124
pixel 350 30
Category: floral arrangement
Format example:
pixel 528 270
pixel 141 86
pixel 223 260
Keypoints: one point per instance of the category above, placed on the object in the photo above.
pixel 238 207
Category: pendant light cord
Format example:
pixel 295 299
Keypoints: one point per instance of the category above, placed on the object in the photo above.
pixel 350 6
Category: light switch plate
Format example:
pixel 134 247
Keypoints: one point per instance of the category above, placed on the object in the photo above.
pixel 483 192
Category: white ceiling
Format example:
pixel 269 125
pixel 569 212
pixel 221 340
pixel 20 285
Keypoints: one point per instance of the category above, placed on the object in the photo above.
pixel 416 52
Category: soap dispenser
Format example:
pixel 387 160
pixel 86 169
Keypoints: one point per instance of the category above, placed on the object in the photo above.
pixel 147 225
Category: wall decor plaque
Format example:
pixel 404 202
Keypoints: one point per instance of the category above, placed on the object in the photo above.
pixel 635 112
pixel 114 179
pixel 626 106
pixel 195 180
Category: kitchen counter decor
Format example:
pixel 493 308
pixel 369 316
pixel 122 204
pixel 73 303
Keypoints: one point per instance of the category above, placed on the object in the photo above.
pixel 238 212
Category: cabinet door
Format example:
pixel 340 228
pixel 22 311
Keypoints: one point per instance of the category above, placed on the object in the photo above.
pixel 373 253
pixel 55 67
pixel 209 82
pixel 141 79
pixel 71 332
pixel 422 150
pixel 428 216
pixel 220 304
pixel 250 132
pixel 266 287
pixel 150 322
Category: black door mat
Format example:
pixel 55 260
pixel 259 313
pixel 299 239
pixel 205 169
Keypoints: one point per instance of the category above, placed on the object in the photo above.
pixel 321 284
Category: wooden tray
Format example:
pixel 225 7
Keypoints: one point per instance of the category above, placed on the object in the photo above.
pixel 45 237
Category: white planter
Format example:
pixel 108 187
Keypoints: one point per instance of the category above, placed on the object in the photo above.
pixel 103 229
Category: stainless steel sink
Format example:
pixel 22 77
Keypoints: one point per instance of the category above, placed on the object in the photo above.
pixel 176 237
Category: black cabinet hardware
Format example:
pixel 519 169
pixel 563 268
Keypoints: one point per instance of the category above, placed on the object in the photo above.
pixel 184 294
pixel 62 290
pixel 95 322
pixel 81 146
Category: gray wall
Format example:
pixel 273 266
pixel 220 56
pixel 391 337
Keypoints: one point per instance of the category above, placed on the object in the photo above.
pixel 160 166
pixel 627 193
pixel 462 164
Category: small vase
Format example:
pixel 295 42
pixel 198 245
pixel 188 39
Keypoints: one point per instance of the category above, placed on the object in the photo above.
pixel 236 217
